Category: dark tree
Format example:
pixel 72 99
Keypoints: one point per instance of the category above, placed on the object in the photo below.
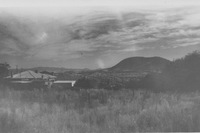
pixel 4 69
pixel 182 74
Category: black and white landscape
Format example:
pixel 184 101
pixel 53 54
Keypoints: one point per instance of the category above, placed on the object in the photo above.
pixel 99 66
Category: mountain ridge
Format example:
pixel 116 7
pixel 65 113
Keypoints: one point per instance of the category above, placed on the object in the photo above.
pixel 141 64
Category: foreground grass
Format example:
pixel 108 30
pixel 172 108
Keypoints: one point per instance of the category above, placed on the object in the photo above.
pixel 97 111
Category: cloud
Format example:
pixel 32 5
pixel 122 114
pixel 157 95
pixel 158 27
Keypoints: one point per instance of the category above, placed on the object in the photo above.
pixel 186 42
pixel 61 51
pixel 96 25
pixel 191 17
pixel 97 33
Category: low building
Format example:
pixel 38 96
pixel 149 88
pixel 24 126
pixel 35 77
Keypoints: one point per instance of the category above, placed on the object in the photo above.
pixel 30 76
pixel 69 83
pixel 29 79
pixel 36 79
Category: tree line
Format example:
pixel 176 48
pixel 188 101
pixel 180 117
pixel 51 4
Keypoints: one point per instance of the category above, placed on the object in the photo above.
pixel 4 70
pixel 180 75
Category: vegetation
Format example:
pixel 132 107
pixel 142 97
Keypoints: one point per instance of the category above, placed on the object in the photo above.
pixel 104 81
pixel 167 101
pixel 4 69
pixel 180 75
pixel 97 111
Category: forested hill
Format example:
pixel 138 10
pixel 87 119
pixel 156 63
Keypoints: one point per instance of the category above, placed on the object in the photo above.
pixel 141 64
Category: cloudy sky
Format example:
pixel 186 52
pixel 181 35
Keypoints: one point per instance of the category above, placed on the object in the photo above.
pixel 95 33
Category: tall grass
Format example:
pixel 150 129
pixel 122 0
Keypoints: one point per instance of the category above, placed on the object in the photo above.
pixel 97 111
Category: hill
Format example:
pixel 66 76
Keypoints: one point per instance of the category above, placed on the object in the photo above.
pixel 58 69
pixel 141 64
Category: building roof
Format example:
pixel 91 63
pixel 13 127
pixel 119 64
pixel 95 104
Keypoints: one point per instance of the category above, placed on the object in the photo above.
pixel 47 76
pixel 22 82
pixel 65 82
pixel 31 75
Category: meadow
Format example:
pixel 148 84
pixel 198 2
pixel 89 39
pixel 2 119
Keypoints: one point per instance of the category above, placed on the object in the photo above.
pixel 97 111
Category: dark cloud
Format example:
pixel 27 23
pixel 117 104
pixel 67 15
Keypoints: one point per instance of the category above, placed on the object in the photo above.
pixel 102 27
pixel 95 25
pixel 96 34
pixel 133 19
pixel 10 40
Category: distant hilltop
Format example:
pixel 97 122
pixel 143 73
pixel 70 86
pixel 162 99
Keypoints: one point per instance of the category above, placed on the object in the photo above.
pixel 57 69
pixel 134 64
pixel 141 64
pixel 51 69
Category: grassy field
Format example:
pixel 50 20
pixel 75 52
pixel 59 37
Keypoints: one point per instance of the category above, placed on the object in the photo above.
pixel 97 111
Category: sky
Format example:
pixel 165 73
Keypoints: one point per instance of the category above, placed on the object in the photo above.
pixel 95 33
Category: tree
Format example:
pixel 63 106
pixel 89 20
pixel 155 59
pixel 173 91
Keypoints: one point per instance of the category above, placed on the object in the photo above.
pixel 183 74
pixel 4 69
